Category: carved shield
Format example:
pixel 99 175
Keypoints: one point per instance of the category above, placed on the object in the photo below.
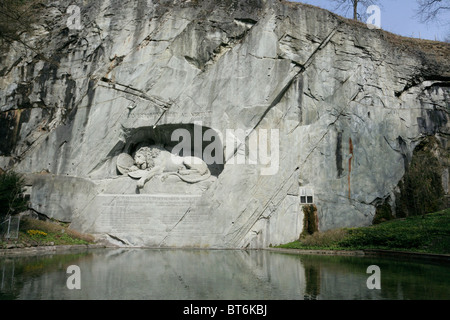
pixel 124 163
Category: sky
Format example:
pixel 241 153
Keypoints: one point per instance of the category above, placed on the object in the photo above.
pixel 398 16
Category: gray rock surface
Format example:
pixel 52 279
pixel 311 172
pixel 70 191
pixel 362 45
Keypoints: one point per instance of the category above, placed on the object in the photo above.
pixel 349 105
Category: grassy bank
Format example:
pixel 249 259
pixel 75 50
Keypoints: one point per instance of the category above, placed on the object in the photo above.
pixel 45 233
pixel 430 234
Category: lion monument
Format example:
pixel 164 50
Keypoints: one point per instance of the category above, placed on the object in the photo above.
pixel 149 161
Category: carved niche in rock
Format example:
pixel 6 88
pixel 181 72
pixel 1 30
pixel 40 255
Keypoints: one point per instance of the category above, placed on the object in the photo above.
pixel 153 160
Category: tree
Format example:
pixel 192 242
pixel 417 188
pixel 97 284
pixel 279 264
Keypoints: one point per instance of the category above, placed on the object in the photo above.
pixel 353 4
pixel 429 10
pixel 12 200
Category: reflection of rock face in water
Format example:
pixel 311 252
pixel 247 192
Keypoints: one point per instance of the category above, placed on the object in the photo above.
pixel 312 290
pixel 173 274
pixel 217 274
pixel 347 104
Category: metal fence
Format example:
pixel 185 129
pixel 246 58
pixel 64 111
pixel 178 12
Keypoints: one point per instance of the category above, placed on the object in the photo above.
pixel 9 228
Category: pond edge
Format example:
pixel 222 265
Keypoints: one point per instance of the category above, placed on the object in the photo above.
pixel 47 249
pixel 357 253
pixel 370 253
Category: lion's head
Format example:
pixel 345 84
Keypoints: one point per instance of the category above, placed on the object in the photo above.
pixel 144 157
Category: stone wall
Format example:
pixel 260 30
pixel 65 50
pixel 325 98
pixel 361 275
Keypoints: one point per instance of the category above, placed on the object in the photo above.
pixel 349 105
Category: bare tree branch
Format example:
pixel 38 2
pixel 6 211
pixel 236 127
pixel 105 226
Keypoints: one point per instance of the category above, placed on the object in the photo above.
pixel 18 18
pixel 430 10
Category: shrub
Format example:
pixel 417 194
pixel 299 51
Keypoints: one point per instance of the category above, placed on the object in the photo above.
pixel 383 213
pixel 327 238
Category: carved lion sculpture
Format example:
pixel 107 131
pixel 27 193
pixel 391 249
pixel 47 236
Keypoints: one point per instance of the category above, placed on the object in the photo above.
pixel 150 161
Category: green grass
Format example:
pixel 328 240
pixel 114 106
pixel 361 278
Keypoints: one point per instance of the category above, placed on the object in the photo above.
pixel 43 233
pixel 429 233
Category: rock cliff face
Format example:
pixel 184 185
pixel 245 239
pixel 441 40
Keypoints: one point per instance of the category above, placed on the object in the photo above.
pixel 341 107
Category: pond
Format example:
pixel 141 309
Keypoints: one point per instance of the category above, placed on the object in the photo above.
pixel 151 274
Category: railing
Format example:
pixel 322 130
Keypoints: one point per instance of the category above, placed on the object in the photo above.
pixel 9 228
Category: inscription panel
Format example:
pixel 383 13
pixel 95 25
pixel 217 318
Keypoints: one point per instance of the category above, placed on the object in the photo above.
pixel 172 115
pixel 147 217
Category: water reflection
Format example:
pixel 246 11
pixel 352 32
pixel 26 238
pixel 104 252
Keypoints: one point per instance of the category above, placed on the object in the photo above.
pixel 312 277
pixel 216 274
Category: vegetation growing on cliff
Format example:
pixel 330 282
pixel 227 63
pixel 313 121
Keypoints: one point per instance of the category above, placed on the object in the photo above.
pixel 421 189
pixel 310 224
pixel 429 233
pixel 44 233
